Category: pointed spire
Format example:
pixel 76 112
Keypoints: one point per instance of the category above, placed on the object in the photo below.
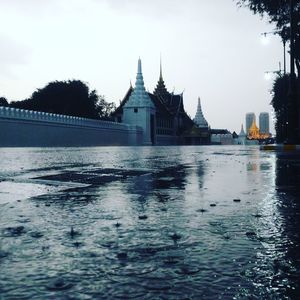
pixel 139 71
pixel 160 89
pixel 199 118
pixel 139 97
pixel 253 131
pixel 160 70
pixel 242 132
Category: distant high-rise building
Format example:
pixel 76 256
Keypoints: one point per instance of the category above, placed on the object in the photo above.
pixel 264 127
pixel 250 117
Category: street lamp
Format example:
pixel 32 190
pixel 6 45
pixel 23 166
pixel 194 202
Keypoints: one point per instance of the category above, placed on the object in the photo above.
pixel 278 72
pixel 284 45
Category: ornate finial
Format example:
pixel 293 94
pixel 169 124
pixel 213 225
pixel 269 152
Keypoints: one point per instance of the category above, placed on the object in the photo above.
pixel 160 69
pixel 139 66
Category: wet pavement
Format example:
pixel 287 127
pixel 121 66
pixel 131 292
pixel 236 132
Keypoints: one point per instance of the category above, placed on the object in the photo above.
pixel 203 222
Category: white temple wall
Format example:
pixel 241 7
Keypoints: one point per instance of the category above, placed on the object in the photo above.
pixel 140 117
pixel 222 139
pixel 24 128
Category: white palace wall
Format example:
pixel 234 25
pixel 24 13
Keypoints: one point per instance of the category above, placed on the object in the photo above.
pixel 25 128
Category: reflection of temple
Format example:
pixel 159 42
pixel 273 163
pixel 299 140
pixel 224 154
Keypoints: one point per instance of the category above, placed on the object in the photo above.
pixel 160 114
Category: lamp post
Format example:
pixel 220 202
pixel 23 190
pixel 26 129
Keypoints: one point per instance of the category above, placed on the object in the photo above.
pixel 284 47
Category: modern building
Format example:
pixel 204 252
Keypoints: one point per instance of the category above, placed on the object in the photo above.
pixel 160 114
pixel 264 123
pixel 250 117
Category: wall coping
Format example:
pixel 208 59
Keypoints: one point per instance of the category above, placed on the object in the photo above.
pixel 44 117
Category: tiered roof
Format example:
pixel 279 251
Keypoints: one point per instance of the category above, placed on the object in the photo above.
pixel 199 118
pixel 161 89
pixel 139 97
pixel 166 103
pixel 242 133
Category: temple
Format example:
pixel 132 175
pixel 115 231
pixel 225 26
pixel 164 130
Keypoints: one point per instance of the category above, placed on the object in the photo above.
pixel 199 118
pixel 161 114
pixel 253 132
pixel 242 137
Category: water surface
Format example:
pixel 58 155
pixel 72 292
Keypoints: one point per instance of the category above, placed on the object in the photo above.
pixel 149 223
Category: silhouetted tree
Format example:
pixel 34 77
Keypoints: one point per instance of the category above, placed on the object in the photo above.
pixel 279 103
pixel 3 101
pixel 70 97
pixel 279 14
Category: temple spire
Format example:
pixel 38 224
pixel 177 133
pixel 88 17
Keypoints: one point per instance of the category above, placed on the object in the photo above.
pixel 160 89
pixel 199 118
pixel 242 132
pixel 160 70
pixel 139 97
pixel 139 71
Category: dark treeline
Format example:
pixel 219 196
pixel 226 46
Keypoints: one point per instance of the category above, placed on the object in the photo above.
pixel 3 101
pixel 280 94
pixel 71 97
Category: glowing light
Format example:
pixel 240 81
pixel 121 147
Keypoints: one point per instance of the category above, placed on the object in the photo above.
pixel 265 40
pixel 255 134
pixel 268 75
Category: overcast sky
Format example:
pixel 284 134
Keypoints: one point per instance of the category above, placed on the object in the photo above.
pixel 209 48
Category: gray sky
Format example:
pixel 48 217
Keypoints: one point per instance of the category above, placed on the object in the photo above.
pixel 209 48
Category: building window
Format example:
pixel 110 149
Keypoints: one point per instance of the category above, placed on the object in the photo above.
pixel 135 110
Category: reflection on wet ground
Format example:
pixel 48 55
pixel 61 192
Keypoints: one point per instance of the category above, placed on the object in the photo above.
pixel 149 223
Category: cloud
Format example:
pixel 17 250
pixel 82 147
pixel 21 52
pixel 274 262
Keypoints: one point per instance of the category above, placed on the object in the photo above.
pixel 29 6
pixel 145 8
pixel 12 53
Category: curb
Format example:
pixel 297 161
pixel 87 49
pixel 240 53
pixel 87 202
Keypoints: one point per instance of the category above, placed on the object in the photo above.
pixel 280 147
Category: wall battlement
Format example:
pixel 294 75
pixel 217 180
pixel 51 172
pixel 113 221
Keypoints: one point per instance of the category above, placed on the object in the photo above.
pixel 26 128
pixel 22 114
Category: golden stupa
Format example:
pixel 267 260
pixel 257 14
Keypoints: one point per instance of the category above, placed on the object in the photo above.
pixel 254 134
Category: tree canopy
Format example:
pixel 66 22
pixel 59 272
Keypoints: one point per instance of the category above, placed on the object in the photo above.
pixel 278 12
pixel 279 103
pixel 3 101
pixel 71 97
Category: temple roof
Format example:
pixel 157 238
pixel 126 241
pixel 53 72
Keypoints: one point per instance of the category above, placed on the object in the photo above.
pixel 199 118
pixel 242 132
pixel 161 89
pixel 253 127
pixel 139 97
pixel 166 104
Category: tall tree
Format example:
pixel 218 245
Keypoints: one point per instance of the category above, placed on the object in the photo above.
pixel 3 101
pixel 279 103
pixel 278 12
pixel 70 97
